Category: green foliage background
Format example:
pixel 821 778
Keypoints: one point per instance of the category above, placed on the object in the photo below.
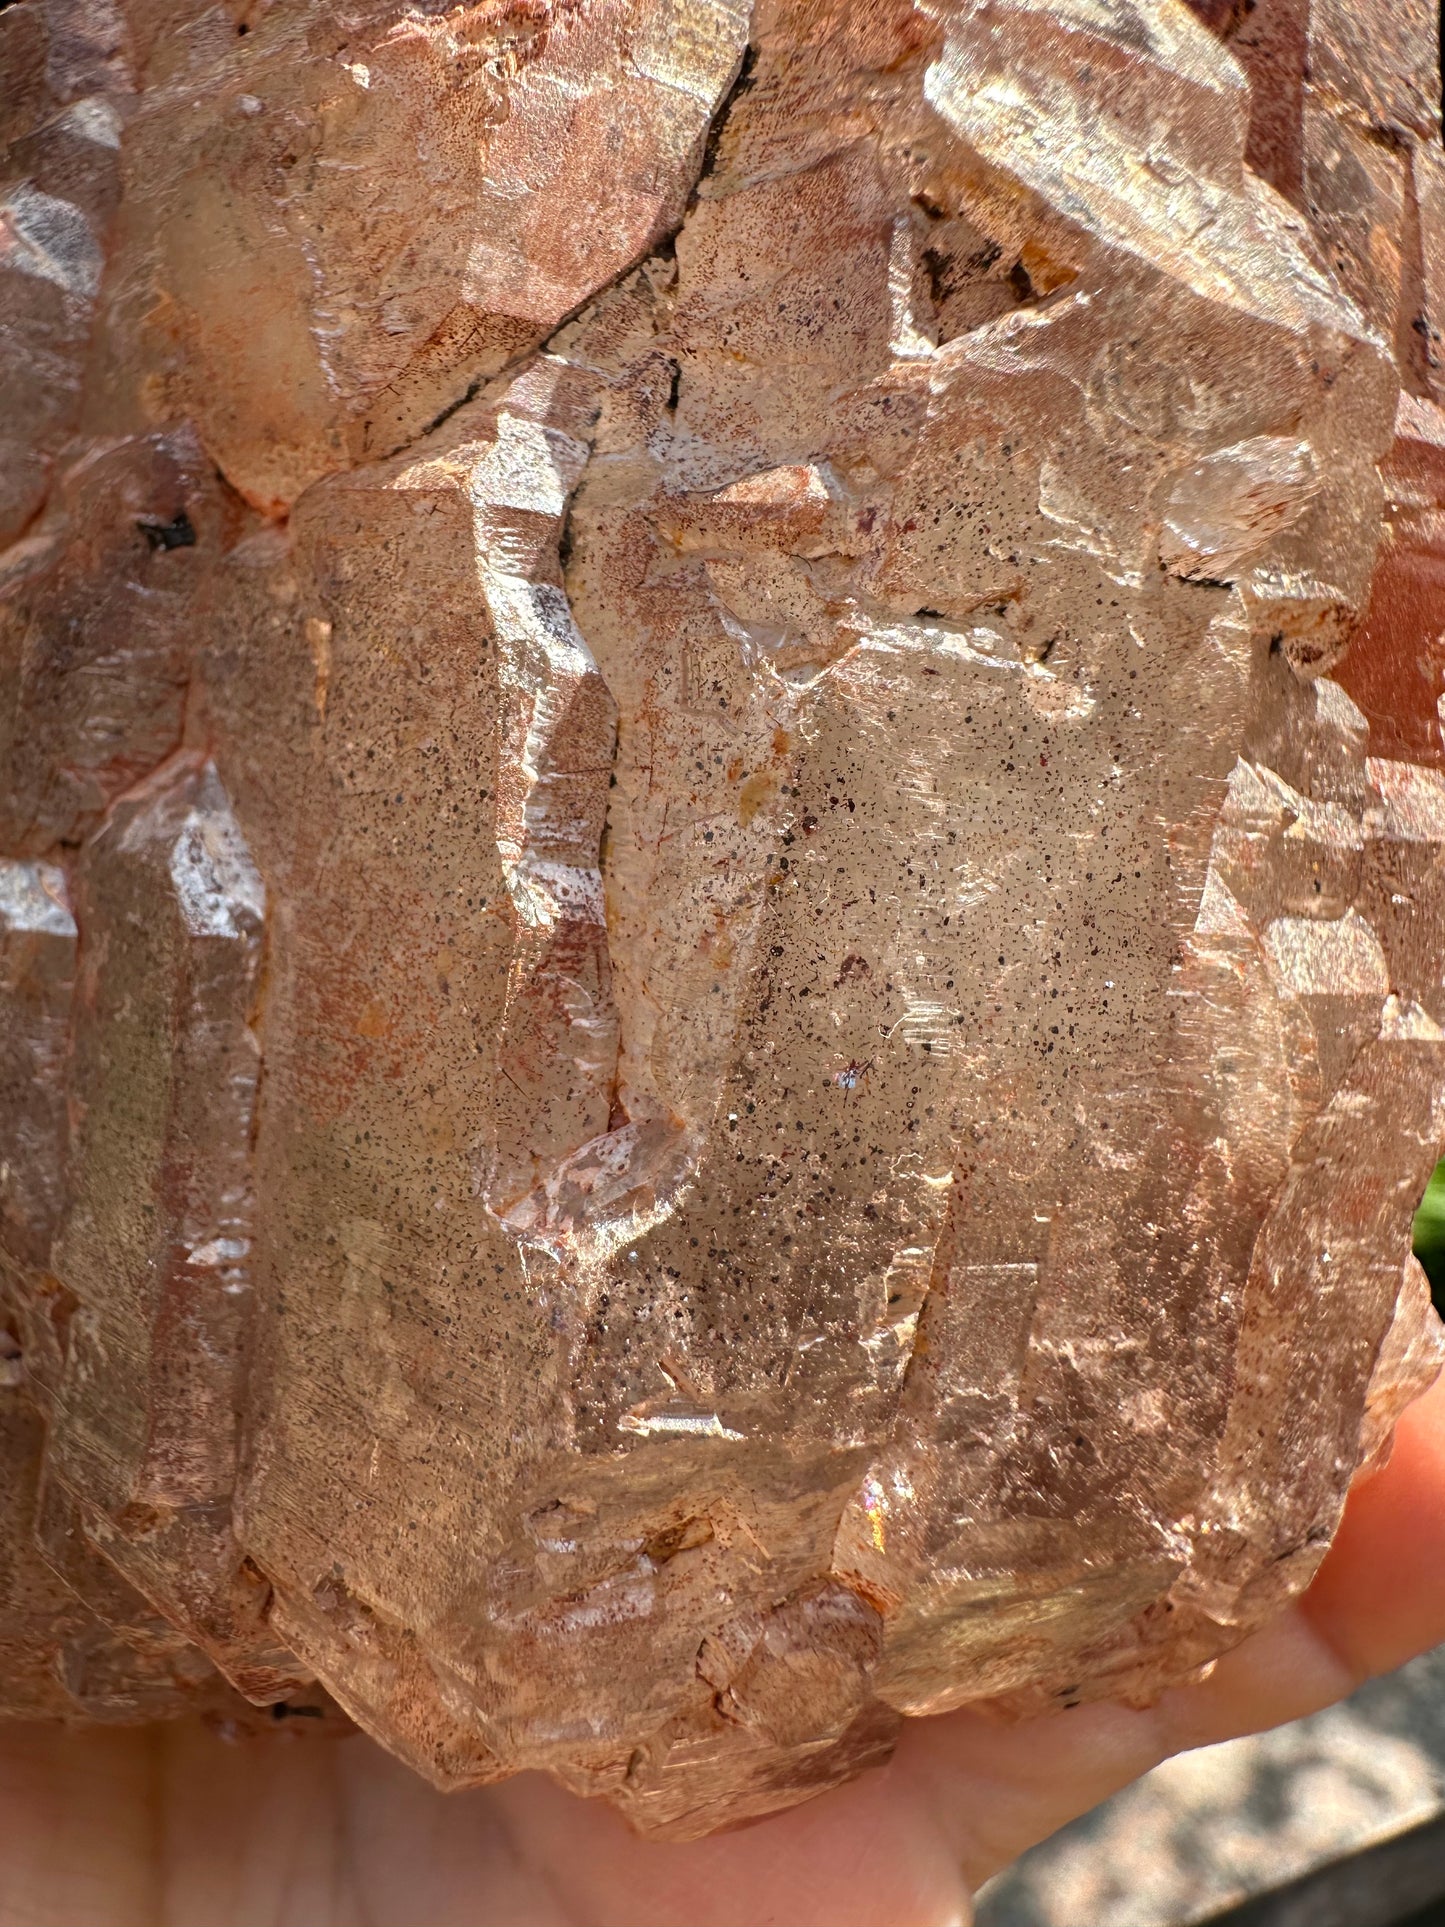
pixel 1430 1234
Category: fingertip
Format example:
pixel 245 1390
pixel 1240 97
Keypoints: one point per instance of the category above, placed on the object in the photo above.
pixel 1379 1597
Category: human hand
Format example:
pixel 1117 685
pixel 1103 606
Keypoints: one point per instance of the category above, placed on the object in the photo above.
pixel 169 1828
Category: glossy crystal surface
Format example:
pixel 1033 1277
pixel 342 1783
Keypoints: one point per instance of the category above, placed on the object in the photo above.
pixel 722 924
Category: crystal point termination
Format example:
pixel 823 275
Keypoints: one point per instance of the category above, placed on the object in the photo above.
pixel 721 829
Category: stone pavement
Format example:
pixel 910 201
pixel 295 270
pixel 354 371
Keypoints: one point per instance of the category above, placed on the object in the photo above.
pixel 1228 1824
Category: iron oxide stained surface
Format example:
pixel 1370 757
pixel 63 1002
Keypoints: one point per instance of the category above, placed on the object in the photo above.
pixel 721 825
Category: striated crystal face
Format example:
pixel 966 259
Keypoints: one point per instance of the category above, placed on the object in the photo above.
pixel 722 923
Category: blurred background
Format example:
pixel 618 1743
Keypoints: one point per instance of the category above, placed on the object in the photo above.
pixel 1430 1235
pixel 1336 1821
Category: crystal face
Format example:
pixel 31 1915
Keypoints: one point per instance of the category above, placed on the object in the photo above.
pixel 722 920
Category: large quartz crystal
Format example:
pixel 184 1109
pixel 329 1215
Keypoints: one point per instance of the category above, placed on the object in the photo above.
pixel 722 920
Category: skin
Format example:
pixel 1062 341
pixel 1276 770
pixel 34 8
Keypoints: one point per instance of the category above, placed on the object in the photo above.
pixel 171 1828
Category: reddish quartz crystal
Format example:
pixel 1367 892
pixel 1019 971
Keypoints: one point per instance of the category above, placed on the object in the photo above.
pixel 722 928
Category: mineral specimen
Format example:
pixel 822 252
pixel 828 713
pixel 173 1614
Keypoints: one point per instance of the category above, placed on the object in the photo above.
pixel 723 910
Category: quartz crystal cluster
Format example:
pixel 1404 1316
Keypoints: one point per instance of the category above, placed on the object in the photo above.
pixel 722 856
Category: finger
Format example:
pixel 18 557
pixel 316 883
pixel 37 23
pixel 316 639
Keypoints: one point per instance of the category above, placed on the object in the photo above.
pixel 1378 1600
pixel 1380 1596
pixel 967 1789
pixel 965 1794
